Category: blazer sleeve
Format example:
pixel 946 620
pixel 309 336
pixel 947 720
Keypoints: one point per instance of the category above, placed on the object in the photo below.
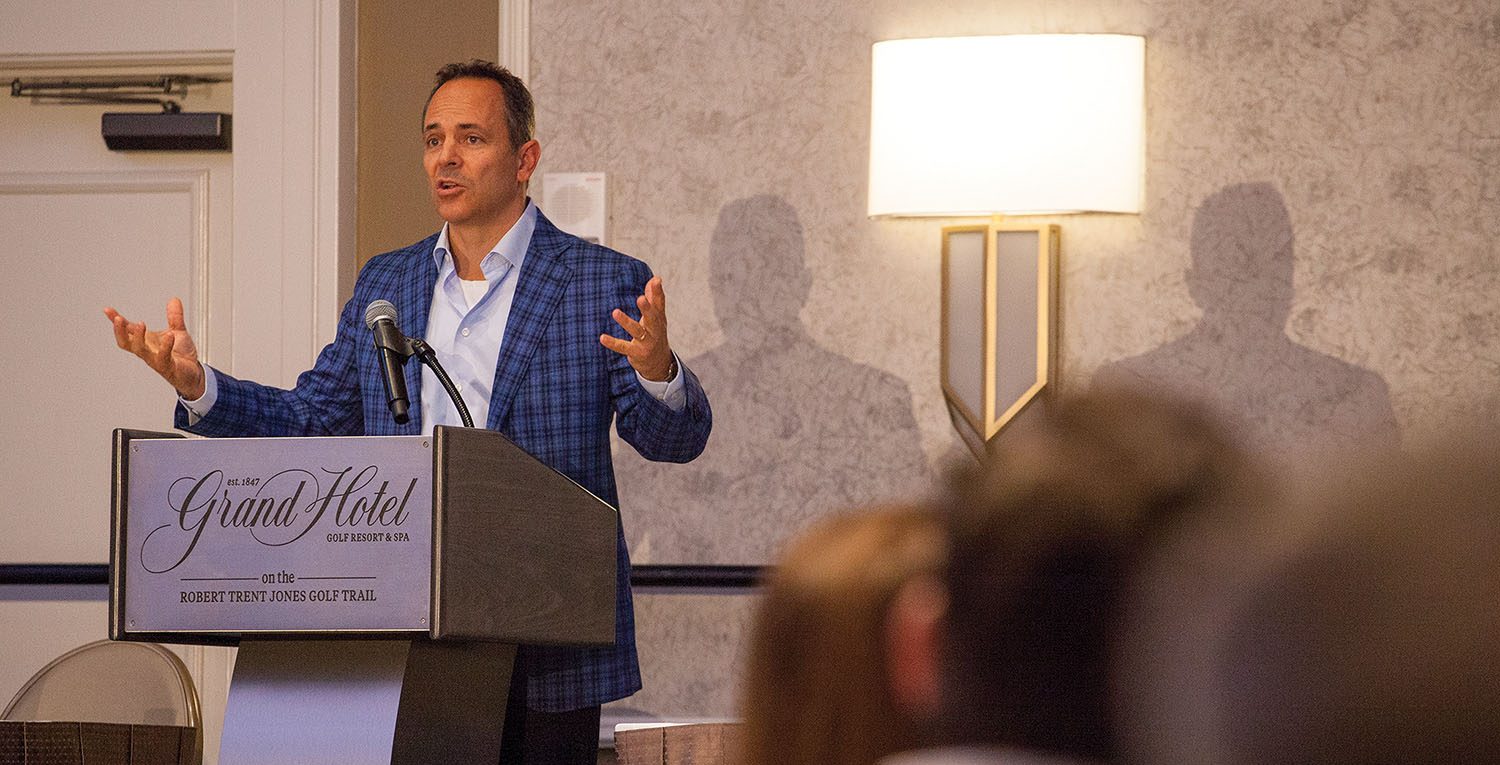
pixel 326 400
pixel 656 431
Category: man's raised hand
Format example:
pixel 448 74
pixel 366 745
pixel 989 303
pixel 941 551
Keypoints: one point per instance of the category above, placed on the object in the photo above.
pixel 647 349
pixel 170 351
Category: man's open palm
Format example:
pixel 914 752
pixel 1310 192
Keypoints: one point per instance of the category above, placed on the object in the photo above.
pixel 170 351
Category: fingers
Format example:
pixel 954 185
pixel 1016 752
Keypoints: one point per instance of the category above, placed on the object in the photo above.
pixel 130 336
pixel 120 327
pixel 157 352
pixel 174 315
pixel 647 346
pixel 615 344
pixel 657 295
pixel 133 337
pixel 648 321
pixel 163 352
pixel 637 330
pixel 653 303
pixel 159 349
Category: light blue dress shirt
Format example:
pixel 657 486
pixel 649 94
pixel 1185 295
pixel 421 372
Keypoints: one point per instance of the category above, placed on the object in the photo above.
pixel 467 336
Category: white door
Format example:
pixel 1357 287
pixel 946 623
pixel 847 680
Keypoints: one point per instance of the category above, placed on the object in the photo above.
pixel 257 243
pixel 83 228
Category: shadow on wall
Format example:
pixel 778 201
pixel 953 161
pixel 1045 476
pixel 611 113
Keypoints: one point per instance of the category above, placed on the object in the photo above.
pixel 799 430
pixel 1280 395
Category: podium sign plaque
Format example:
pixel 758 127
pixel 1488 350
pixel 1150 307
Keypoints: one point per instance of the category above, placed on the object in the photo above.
pixel 261 535
pixel 377 587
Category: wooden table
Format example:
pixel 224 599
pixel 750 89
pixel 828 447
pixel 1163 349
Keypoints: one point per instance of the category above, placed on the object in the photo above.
pixel 693 744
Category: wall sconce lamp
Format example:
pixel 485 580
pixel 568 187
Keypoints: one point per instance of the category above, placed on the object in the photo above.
pixel 998 126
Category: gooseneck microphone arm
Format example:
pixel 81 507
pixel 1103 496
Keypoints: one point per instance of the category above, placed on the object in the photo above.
pixel 394 349
pixel 427 356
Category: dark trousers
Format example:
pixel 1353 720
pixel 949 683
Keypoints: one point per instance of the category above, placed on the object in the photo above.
pixel 547 738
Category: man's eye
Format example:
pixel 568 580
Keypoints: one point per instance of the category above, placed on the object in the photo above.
pixel 432 142
pixel 473 139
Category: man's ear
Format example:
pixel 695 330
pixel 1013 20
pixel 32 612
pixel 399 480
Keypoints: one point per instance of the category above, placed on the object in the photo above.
pixel 913 645
pixel 530 154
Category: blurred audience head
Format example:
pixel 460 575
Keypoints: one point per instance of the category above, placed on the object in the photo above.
pixel 1013 648
pixel 1358 622
pixel 815 689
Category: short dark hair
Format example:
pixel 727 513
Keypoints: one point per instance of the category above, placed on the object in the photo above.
pixel 520 114
pixel 1043 539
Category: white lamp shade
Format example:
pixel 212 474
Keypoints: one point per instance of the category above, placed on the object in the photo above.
pixel 1015 124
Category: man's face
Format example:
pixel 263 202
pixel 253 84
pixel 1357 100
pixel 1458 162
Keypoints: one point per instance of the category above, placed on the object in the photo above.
pixel 474 174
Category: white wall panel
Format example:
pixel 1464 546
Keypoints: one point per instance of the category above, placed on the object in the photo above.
pixel 294 165
pixel 258 244
pixel 38 631
pixel 62 30
pixel 81 242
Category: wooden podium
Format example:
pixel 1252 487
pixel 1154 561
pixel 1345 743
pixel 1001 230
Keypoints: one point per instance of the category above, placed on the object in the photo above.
pixel 377 587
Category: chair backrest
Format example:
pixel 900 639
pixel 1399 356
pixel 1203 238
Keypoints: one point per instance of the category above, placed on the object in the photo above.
pixel 110 682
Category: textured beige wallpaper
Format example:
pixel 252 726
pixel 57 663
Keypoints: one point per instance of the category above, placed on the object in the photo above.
pixel 691 647
pixel 1317 252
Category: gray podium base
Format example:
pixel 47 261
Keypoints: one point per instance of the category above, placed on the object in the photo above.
pixel 353 702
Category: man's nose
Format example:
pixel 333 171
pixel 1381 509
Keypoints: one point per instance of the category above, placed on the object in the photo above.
pixel 447 153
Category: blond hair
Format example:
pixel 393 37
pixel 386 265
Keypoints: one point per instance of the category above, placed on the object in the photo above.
pixel 816 691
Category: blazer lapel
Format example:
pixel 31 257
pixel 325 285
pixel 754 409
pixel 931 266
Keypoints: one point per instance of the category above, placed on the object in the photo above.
pixel 413 301
pixel 541 283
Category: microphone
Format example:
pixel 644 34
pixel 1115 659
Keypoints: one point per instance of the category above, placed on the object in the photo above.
pixel 394 349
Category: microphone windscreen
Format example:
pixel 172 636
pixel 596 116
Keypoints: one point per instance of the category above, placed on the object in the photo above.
pixel 377 310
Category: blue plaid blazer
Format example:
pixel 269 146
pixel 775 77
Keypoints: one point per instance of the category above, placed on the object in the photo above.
pixel 556 391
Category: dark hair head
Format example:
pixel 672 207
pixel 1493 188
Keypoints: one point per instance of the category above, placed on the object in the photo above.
pixel 1354 622
pixel 520 114
pixel 1043 539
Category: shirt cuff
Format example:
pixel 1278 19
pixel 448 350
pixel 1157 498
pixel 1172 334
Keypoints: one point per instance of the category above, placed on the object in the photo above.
pixel 671 392
pixel 198 408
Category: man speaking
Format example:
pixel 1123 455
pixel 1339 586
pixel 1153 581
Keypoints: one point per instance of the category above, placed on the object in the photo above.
pixel 531 324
